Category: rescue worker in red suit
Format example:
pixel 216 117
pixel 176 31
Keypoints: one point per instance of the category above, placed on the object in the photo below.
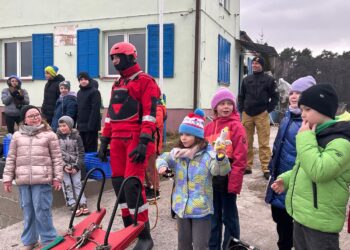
pixel 130 125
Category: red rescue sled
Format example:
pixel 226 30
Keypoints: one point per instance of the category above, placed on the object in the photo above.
pixel 89 235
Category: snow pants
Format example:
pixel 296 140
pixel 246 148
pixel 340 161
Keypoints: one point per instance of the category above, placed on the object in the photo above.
pixel 122 144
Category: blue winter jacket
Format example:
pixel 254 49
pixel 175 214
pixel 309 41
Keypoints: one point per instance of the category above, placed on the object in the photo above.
pixel 65 105
pixel 283 155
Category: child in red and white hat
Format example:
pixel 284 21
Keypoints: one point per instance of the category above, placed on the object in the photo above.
pixel 194 163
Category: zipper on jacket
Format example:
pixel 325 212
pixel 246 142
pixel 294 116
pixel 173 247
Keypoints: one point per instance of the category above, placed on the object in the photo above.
pixel 30 157
pixel 314 194
pixel 188 192
pixel 291 197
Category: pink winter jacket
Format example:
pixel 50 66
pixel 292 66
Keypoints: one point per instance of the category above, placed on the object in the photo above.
pixel 34 159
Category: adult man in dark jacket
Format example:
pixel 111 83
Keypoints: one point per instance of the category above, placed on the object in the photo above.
pixel 51 92
pixel 257 98
pixel 89 117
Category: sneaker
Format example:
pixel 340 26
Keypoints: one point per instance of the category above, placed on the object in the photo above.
pixel 71 207
pixel 30 247
pixel 247 171
pixel 78 212
pixel 266 175
pixel 152 194
pixel 84 210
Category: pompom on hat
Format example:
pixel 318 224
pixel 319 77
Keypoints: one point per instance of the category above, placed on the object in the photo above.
pixel 221 94
pixel 193 124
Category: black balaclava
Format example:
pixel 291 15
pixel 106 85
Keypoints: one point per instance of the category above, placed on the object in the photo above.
pixel 125 62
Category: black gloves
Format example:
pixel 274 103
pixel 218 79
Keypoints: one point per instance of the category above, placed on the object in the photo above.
pixel 138 155
pixel 16 94
pixel 102 152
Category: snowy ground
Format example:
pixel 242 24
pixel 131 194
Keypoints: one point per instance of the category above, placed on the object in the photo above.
pixel 257 227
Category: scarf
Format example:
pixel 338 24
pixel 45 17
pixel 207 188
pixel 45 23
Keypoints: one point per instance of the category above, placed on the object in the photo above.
pixel 296 111
pixel 186 152
pixel 30 130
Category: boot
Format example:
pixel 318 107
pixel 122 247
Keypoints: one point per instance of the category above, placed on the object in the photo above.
pixel 145 241
pixel 127 221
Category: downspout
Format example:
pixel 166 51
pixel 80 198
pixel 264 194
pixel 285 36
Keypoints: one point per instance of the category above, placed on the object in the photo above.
pixel 196 54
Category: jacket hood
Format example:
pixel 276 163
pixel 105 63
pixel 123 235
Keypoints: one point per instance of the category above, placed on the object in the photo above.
pixel 17 78
pixel 58 78
pixel 340 128
pixel 70 93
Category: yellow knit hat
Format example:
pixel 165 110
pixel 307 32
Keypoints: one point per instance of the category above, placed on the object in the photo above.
pixel 52 70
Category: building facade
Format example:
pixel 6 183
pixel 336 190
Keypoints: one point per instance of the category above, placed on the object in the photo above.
pixel 77 35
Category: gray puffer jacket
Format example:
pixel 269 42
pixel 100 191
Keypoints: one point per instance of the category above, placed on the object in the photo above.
pixel 34 156
pixel 72 149
pixel 12 106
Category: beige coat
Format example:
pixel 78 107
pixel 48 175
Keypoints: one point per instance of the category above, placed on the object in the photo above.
pixel 34 158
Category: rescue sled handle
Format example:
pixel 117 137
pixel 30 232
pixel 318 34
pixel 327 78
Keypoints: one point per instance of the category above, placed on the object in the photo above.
pixel 82 191
pixel 117 202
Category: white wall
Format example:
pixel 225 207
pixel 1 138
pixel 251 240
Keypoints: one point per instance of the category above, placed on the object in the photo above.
pixel 217 21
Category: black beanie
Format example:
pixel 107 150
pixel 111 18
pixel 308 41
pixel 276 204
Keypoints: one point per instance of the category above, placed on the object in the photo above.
pixel 322 98
pixel 25 109
pixel 84 75
pixel 259 60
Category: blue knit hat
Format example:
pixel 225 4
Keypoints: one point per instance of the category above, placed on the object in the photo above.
pixel 193 124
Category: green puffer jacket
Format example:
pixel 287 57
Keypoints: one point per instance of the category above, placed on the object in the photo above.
pixel 318 184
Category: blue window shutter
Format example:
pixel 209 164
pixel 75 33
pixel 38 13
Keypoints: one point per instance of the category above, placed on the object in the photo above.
pixel 88 51
pixel 224 57
pixel 168 53
pixel 153 50
pixel 42 47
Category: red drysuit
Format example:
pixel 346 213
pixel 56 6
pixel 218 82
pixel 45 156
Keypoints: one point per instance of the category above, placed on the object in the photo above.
pixel 131 116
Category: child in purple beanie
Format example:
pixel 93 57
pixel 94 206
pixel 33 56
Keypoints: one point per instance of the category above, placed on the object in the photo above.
pixel 283 158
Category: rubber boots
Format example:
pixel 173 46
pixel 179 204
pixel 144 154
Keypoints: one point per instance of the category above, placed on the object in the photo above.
pixel 145 241
pixel 127 221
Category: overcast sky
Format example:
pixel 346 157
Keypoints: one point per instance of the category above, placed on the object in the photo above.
pixel 313 24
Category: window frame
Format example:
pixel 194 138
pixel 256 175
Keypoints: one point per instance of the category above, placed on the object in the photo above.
pixel 126 35
pixel 225 4
pixel 18 42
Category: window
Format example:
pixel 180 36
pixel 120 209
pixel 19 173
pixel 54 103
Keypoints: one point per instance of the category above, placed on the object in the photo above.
pixel 224 55
pixel 225 4
pixel 137 38
pixel 18 58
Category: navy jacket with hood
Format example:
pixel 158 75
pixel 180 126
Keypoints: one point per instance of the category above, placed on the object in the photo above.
pixel 283 155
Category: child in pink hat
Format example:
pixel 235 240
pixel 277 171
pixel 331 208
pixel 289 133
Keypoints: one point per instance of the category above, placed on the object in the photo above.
pixel 226 188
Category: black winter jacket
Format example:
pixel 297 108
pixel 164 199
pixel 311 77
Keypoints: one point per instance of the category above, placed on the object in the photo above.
pixel 258 93
pixel 89 104
pixel 51 94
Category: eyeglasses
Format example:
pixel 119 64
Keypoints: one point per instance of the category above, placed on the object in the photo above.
pixel 33 116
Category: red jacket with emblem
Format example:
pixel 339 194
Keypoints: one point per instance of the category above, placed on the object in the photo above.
pixel 236 152
pixel 133 104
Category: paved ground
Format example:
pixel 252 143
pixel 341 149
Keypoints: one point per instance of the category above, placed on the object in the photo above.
pixel 257 227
